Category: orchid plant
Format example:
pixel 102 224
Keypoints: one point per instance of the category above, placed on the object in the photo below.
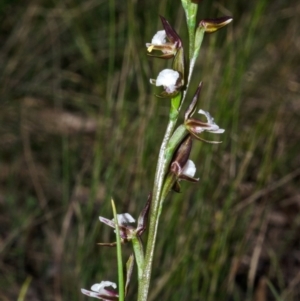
pixel 174 163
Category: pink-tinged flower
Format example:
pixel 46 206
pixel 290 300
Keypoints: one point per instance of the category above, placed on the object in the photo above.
pixel 171 81
pixel 212 25
pixel 196 126
pixel 166 41
pixel 128 231
pixel 100 291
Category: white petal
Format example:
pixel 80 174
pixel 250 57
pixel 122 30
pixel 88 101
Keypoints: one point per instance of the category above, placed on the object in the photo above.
pixel 210 120
pixel 89 293
pixel 189 169
pixel 98 287
pixel 107 222
pixel 219 131
pixel 159 38
pixel 125 218
pixel 168 79
pixel 198 129
pixel 214 128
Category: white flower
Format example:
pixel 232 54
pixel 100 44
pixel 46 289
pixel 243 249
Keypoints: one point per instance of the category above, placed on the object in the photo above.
pixel 168 79
pixel 189 169
pixel 162 42
pixel 99 291
pixel 187 173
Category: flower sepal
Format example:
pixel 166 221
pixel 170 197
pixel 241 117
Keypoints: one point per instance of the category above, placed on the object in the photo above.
pixel 212 25
pixel 143 217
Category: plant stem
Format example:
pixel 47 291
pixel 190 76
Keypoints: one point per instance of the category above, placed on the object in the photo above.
pixel 161 188
pixel 190 10
pixel 119 254
pixel 162 165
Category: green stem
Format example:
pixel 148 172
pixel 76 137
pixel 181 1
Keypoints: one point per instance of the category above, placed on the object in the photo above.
pixel 119 254
pixel 170 180
pixel 160 190
pixel 162 165
pixel 190 13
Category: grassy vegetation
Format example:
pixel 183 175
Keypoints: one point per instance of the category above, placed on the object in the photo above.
pixel 79 124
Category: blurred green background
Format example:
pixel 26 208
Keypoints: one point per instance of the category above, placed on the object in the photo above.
pixel 80 124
